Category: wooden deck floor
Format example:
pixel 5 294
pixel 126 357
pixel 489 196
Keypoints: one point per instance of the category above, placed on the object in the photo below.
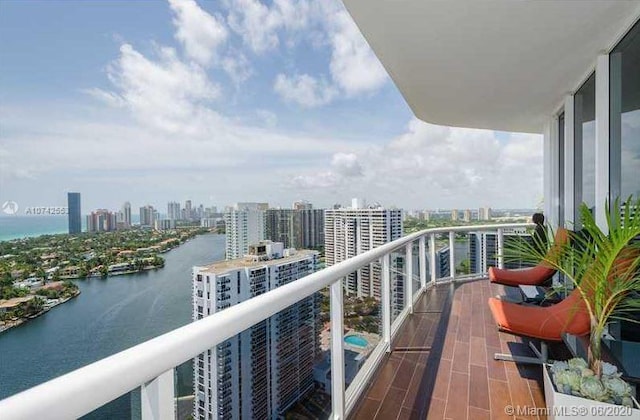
pixel 454 376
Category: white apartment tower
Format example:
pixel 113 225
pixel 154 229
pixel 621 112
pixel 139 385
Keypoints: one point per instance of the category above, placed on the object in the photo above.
pixel 244 225
pixel 352 231
pixel 126 213
pixel 484 213
pixel 264 370
pixel 173 210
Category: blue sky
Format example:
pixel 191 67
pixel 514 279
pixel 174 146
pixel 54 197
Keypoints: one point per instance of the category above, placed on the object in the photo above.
pixel 224 101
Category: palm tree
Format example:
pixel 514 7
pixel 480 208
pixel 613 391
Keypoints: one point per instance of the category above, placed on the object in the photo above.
pixel 603 265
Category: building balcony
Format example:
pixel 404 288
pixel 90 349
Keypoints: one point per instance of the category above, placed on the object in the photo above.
pixel 433 359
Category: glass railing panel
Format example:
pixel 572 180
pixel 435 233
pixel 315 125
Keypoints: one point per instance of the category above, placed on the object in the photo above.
pixel 126 406
pixel 183 389
pixel 362 320
pixel 397 282
pixel 441 264
pixel 513 238
pixel 464 266
pixel 316 403
pixel 282 358
pixel 415 265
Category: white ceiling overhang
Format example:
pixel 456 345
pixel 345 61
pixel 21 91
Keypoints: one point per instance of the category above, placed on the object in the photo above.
pixel 497 64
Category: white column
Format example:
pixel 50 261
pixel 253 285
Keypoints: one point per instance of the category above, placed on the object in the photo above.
pixel 452 255
pixel 569 168
pixel 500 248
pixel 548 174
pixel 423 262
pixel 408 277
pixel 337 351
pixel 602 139
pixel 432 252
pixel 386 302
pixel 157 398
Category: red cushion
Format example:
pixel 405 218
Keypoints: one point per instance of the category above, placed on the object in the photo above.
pixel 529 276
pixel 546 323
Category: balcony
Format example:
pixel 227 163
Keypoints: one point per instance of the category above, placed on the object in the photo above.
pixel 433 359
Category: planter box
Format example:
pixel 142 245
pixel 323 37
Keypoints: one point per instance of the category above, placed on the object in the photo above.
pixel 569 407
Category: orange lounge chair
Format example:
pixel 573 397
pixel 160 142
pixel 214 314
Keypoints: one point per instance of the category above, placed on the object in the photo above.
pixel 550 322
pixel 534 276
pixel 545 323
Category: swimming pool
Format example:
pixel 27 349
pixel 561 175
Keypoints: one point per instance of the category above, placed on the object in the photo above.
pixel 356 340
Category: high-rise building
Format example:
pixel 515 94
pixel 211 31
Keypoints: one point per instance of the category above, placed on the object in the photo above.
pixel 74 212
pixel 441 264
pixel 164 224
pixel 264 370
pixel 243 226
pixel 454 215
pixel 251 206
pixel 302 205
pixel 101 220
pixel 200 212
pixel 147 216
pixel 352 231
pixel 173 210
pixel 188 211
pixel 303 228
pixel 126 213
pixel 467 215
pixel 484 213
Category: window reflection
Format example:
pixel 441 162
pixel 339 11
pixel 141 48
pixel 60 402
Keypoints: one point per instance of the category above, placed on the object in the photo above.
pixel 585 145
pixel 625 115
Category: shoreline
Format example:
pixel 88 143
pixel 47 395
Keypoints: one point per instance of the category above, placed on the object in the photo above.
pixel 12 324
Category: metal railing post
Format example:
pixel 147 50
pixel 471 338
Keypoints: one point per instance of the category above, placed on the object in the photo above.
pixel 157 398
pixel 408 277
pixel 386 301
pixel 337 350
pixel 452 255
pixel 422 260
pixel 432 252
pixel 500 248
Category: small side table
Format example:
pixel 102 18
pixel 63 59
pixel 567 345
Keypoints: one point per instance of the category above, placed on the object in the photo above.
pixel 540 295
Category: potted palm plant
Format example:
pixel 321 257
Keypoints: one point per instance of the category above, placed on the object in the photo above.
pixel 603 265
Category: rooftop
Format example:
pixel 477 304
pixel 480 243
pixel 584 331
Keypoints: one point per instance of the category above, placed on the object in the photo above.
pixel 222 267
pixel 13 302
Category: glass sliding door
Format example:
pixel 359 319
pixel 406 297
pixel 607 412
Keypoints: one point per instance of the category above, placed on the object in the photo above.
pixel 624 73
pixel 585 147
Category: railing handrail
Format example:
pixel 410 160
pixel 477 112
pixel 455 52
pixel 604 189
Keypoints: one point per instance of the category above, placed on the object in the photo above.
pixel 85 389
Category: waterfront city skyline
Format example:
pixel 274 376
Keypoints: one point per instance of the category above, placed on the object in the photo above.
pixel 195 100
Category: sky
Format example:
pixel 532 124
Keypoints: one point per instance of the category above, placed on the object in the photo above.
pixel 227 101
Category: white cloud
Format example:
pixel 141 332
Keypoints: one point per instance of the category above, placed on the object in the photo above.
pixel 318 180
pixel 256 23
pixel 199 32
pixel 237 67
pixel 108 98
pixel 164 93
pixel 304 90
pixel 433 166
pixel 354 67
pixel 346 164
pixel 269 118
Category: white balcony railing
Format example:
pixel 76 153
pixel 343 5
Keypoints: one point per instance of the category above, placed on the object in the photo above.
pixel 150 365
